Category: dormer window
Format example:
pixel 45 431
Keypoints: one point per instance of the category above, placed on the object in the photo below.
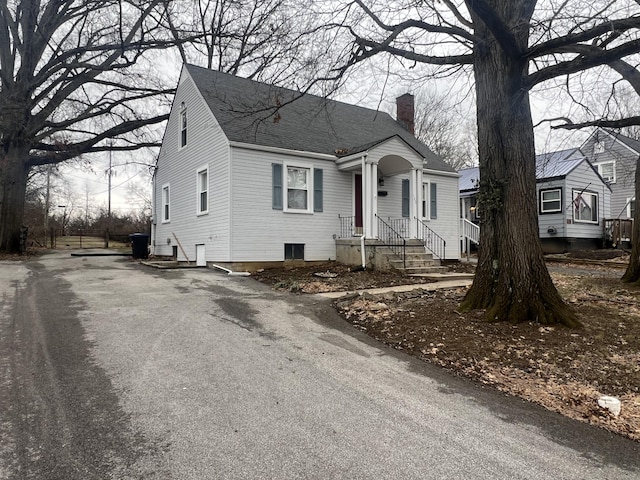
pixel 598 147
pixel 183 125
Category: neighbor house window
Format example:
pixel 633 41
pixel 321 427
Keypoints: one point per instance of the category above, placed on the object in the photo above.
pixel 607 171
pixel 165 203
pixel 631 207
pixel 298 188
pixel 585 207
pixel 551 200
pixel 183 125
pixel 203 190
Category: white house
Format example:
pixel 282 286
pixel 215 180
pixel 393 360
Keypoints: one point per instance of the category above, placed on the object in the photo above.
pixel 251 174
pixel 573 201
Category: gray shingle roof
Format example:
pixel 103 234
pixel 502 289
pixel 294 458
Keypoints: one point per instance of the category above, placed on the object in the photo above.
pixel 248 112
pixel 629 142
pixel 548 165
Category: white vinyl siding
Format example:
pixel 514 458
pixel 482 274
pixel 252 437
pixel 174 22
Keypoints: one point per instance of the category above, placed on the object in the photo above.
pixel 207 146
pixel 260 232
pixel 202 198
pixel 446 224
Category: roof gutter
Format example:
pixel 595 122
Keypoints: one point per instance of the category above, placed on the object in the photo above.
pixel 441 172
pixel 283 151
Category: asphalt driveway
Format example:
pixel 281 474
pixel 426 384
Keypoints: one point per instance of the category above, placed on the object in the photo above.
pixel 114 370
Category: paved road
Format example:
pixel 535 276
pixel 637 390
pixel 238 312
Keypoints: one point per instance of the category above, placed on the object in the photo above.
pixel 112 370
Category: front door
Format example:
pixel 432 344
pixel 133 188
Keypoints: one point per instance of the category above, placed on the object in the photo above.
pixel 358 204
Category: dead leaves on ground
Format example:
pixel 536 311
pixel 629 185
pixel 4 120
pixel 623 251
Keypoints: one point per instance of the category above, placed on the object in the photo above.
pixel 564 370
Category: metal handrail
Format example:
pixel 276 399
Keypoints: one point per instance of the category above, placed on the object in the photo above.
pixel 390 238
pixel 347 226
pixel 470 230
pixel 432 241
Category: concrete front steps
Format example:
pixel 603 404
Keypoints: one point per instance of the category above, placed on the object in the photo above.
pixel 417 261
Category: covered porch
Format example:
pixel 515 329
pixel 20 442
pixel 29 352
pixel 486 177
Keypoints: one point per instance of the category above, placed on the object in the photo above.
pixel 389 202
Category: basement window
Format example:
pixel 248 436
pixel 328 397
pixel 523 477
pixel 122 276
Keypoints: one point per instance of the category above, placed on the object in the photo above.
pixel 294 251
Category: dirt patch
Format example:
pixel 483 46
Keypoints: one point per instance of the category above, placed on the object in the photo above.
pixel 331 277
pixel 562 369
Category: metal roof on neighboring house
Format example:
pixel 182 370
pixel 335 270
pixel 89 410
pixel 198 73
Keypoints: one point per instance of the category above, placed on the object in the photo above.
pixel 261 114
pixel 557 164
pixel 548 165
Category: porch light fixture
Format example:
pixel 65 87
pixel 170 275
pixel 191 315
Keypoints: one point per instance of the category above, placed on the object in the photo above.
pixel 381 182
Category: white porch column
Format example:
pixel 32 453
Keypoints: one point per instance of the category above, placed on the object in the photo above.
pixel 368 210
pixel 374 200
pixel 419 199
pixel 365 195
pixel 413 211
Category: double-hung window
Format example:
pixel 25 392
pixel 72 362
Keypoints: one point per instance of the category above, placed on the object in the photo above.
pixel 551 200
pixel 631 207
pixel 165 203
pixel 202 190
pixel 298 191
pixel 607 171
pixel 585 207
pixel 429 201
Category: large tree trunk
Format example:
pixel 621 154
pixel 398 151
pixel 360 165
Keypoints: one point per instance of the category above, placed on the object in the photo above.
pixel 511 282
pixel 633 269
pixel 14 172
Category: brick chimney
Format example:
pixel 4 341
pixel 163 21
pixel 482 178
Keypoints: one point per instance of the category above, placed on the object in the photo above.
pixel 405 112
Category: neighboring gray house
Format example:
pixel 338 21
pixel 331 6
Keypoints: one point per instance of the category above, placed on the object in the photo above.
pixel 615 157
pixel 252 174
pixel 573 201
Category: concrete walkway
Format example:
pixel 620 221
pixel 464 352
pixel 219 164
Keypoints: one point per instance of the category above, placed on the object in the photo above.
pixel 459 281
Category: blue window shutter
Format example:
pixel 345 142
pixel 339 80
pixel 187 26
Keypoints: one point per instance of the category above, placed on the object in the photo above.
pixel 433 192
pixel 317 190
pixel 276 176
pixel 405 198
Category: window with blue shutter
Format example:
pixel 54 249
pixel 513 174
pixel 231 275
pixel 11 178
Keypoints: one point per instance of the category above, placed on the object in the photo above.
pixel 317 190
pixel 433 191
pixel 405 198
pixel 276 181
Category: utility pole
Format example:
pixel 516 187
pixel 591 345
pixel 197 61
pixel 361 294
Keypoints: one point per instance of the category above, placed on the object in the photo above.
pixel 106 243
pixel 46 206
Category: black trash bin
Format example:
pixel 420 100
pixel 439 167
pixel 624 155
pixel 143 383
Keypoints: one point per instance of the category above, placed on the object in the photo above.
pixel 139 245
